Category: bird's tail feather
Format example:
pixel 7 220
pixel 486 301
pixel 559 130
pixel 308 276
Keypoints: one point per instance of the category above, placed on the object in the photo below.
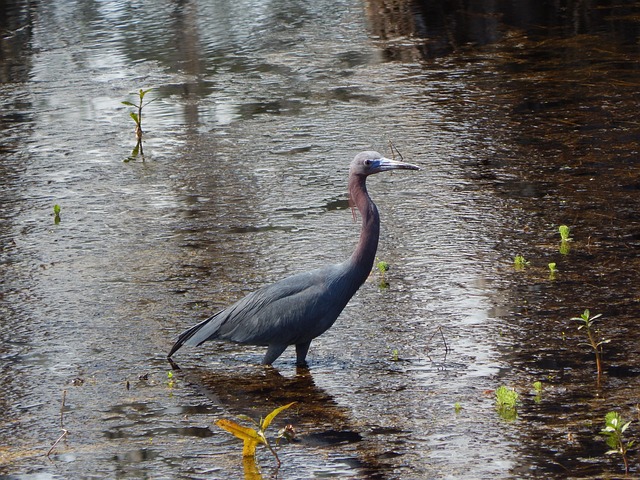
pixel 188 334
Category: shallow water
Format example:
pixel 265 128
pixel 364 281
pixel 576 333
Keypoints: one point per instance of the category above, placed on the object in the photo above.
pixel 520 122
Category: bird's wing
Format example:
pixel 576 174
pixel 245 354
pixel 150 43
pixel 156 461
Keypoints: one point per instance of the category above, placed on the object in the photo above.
pixel 286 312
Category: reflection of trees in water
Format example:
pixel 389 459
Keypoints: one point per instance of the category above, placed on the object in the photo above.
pixel 436 28
pixel 15 38
pixel 553 96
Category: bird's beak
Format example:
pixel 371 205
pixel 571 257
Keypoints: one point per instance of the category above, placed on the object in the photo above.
pixel 386 164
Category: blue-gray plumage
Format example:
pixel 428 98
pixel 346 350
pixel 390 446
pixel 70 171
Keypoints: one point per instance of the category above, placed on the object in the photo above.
pixel 299 308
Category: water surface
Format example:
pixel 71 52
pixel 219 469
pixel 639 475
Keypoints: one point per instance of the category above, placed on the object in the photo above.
pixel 522 119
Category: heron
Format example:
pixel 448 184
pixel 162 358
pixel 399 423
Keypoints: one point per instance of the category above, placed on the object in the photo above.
pixel 299 308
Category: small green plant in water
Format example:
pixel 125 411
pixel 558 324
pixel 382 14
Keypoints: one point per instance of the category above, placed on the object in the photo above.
pixel 552 270
pixel 394 355
pixel 457 407
pixel 614 431
pixel 564 239
pixel 383 268
pixel 588 322
pixel 519 262
pixel 56 214
pixel 537 386
pixel 170 380
pixel 254 437
pixel 137 118
pixel 506 402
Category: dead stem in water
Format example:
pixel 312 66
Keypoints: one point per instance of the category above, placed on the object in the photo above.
pixel 65 432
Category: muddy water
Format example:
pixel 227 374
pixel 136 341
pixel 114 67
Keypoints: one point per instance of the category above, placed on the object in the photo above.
pixel 521 119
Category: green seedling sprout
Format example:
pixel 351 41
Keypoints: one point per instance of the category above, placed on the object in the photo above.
pixel 383 268
pixel 564 239
pixel 506 402
pixel 254 437
pixel 56 214
pixel 552 270
pixel 519 262
pixel 564 233
pixel 537 386
pixel 137 118
pixel 588 322
pixel 171 382
pixel 457 407
pixel 614 431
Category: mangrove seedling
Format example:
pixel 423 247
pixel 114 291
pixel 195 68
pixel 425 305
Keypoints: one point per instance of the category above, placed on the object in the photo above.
pixel 395 356
pixel 537 386
pixel 614 431
pixel 382 267
pixel 170 380
pixel 506 401
pixel 56 214
pixel 137 118
pixel 564 239
pixel 564 233
pixel 519 262
pixel 552 271
pixel 253 437
pixel 588 322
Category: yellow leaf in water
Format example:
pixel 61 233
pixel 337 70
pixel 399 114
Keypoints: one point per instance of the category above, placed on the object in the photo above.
pixel 249 448
pixel 269 418
pixel 249 436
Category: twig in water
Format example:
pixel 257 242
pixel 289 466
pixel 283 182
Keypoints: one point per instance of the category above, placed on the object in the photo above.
pixel 394 150
pixel 65 432
pixel 446 346
pixel 64 397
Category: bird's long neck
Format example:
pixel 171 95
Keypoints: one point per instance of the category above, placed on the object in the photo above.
pixel 361 261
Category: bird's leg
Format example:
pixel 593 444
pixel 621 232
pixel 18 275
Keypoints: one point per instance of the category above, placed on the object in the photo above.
pixel 301 353
pixel 273 352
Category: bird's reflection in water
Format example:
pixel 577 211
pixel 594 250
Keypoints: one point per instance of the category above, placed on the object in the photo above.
pixel 255 391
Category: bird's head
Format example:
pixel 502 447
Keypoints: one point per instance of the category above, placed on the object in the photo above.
pixel 368 163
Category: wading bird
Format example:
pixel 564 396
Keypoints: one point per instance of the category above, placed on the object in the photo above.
pixel 299 308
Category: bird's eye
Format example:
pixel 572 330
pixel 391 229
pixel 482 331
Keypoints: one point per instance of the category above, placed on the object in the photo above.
pixel 368 162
